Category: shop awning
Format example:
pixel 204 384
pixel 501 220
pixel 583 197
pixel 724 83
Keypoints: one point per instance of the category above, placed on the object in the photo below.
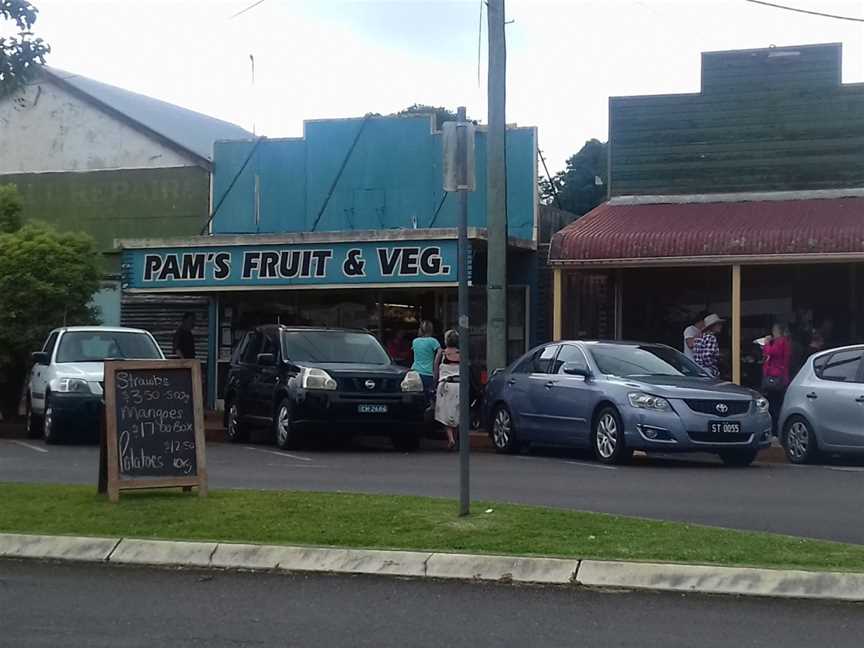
pixel 631 233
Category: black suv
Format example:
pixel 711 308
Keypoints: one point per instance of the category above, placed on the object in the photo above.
pixel 289 378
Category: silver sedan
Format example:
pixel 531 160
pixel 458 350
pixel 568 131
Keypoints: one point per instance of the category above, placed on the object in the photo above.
pixel 823 410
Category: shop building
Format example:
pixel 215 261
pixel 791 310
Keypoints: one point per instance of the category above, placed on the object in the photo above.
pixel 746 199
pixel 345 226
pixel 90 157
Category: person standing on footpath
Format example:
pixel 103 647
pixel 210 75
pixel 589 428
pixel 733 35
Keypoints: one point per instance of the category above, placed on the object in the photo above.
pixel 776 361
pixel 425 347
pixel 706 352
pixel 447 362
pixel 184 339
pixel 692 334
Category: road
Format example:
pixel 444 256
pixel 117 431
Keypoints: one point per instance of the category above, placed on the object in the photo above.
pixel 814 501
pixel 94 606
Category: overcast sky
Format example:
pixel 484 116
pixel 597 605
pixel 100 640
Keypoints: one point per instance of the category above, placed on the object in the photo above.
pixel 338 58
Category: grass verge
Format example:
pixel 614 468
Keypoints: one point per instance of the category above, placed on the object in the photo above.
pixel 397 522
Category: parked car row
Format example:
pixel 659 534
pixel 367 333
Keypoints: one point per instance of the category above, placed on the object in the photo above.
pixel 610 397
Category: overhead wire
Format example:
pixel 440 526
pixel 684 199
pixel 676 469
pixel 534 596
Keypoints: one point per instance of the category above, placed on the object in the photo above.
pixel 805 11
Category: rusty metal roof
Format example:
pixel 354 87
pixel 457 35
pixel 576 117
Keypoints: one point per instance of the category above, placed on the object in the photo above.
pixel 713 232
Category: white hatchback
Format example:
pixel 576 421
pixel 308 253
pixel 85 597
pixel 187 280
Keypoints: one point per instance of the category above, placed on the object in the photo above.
pixel 64 396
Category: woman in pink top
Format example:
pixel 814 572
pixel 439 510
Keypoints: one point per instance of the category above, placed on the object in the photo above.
pixel 776 361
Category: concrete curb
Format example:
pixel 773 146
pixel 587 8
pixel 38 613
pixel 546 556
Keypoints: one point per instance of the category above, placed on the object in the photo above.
pixel 700 579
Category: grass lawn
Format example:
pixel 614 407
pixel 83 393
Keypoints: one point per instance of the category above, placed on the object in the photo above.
pixel 382 521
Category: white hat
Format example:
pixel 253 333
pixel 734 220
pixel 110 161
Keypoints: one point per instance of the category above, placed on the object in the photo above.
pixel 712 319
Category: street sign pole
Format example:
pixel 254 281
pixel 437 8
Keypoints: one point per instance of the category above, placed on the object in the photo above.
pixel 464 341
pixel 459 177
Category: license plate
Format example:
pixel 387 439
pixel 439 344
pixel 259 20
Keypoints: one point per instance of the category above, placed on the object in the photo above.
pixel 724 427
pixel 372 409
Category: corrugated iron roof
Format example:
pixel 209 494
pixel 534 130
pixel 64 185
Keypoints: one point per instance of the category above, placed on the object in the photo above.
pixel 666 233
pixel 190 130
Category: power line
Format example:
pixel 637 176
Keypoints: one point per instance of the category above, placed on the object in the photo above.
pixel 249 8
pixel 805 11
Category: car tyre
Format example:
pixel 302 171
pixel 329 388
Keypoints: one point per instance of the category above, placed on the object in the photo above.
pixel 34 422
pixel 286 433
pixel 405 442
pixel 49 426
pixel 607 438
pixel 235 431
pixel 799 441
pixel 503 432
pixel 738 458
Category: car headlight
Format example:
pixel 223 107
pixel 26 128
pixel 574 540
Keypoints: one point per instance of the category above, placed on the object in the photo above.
pixel 647 401
pixel 412 382
pixel 70 385
pixel 317 379
pixel 762 405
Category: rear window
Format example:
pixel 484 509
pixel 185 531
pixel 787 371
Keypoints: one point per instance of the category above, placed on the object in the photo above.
pixel 97 346
pixel 842 366
pixel 332 347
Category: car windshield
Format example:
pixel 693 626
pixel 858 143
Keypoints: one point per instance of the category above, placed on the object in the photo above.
pixel 644 360
pixel 97 346
pixel 333 346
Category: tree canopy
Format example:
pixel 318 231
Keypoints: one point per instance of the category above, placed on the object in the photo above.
pixel 577 189
pixel 441 114
pixel 47 279
pixel 23 54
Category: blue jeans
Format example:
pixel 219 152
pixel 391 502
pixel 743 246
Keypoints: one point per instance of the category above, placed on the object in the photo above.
pixel 428 386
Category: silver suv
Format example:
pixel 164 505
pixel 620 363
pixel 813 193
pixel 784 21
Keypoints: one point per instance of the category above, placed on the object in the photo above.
pixel 64 396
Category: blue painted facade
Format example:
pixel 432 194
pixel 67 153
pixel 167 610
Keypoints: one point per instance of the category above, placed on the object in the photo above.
pixel 391 180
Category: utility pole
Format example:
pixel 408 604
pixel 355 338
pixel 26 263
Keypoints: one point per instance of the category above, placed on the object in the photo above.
pixel 496 193
pixel 459 176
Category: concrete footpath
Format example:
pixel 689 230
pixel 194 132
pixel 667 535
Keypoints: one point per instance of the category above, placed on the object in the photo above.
pixel 468 567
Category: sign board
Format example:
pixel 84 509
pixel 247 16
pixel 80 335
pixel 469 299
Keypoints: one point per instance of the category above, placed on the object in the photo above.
pixel 265 266
pixel 154 426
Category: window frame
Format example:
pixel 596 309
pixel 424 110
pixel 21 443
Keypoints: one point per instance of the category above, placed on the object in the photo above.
pixel 581 352
pixel 858 377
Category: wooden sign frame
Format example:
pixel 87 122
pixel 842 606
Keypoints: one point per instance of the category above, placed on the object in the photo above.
pixel 115 481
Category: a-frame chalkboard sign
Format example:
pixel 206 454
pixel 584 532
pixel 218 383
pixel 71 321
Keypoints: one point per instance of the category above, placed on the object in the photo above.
pixel 154 426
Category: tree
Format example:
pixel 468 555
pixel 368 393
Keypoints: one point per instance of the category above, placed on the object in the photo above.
pixel 11 207
pixel 47 279
pixel 441 114
pixel 577 187
pixel 21 55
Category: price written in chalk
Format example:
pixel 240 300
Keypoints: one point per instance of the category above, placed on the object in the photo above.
pixel 155 422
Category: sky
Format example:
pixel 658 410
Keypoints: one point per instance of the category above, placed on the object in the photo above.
pixel 339 58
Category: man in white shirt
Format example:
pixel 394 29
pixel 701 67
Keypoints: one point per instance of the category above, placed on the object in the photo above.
pixel 692 333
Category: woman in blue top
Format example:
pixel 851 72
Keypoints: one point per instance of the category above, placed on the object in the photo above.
pixel 425 348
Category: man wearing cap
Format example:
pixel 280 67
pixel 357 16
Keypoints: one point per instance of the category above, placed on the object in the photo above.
pixel 707 351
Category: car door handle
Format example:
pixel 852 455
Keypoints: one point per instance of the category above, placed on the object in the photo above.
pixel 860 399
pixel 551 383
pixel 812 395
pixel 511 382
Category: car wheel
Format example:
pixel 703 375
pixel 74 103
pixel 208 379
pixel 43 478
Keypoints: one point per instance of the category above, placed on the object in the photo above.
pixel 739 458
pixel 234 431
pixel 34 423
pixel 799 441
pixel 405 442
pixel 607 438
pixel 49 426
pixel 503 431
pixel 287 437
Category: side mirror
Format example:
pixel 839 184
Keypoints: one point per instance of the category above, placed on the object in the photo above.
pixel 575 369
pixel 267 359
pixel 40 358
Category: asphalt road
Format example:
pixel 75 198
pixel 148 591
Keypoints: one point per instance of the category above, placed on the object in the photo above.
pixel 90 605
pixel 814 501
